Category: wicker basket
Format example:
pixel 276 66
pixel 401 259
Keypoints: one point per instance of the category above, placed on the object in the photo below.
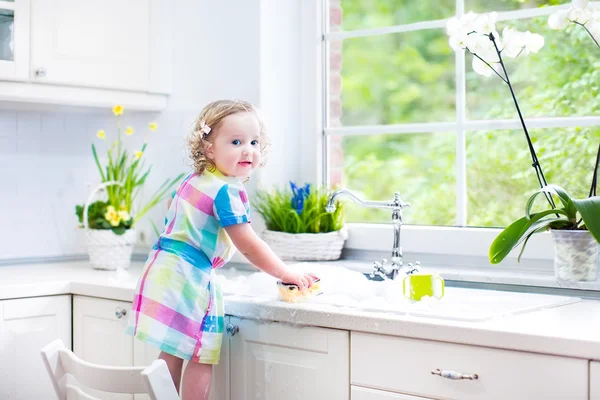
pixel 306 246
pixel 106 249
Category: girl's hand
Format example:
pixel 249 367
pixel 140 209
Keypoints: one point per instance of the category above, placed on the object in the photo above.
pixel 300 279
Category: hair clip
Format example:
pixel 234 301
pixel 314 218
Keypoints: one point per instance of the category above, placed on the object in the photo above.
pixel 204 128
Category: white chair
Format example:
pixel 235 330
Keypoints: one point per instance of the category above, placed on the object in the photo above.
pixel 61 363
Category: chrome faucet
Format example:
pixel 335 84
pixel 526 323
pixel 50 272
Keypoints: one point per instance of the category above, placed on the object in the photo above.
pixel 396 205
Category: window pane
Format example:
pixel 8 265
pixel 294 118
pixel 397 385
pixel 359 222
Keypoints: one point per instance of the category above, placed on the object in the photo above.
pixel 392 79
pixel 482 6
pixel 560 80
pixel 500 177
pixel 363 14
pixel 7 20
pixel 418 166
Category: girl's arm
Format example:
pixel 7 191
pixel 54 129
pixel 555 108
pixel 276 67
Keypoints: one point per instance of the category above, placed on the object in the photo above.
pixel 262 257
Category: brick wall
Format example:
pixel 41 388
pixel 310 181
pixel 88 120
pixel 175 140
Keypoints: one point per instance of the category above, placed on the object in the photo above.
pixel 336 154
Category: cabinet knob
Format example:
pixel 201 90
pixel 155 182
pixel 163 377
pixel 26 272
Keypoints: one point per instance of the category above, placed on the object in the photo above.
pixel 40 72
pixel 119 312
pixel 232 329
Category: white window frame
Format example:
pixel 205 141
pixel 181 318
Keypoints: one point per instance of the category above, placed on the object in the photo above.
pixel 435 241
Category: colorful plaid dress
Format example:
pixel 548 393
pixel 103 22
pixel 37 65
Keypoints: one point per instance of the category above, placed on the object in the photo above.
pixel 178 305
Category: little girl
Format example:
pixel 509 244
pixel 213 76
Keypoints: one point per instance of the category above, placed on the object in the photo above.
pixel 178 307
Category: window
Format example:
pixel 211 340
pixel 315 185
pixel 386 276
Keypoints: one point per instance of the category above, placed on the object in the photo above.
pixel 405 113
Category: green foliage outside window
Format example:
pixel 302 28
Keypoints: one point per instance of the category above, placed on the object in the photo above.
pixel 410 77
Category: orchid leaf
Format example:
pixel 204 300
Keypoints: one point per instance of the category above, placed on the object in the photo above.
pixel 590 213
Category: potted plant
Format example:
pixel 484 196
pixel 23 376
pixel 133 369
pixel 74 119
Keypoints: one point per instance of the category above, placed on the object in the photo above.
pixel 110 224
pixel 575 226
pixel 575 229
pixel 298 227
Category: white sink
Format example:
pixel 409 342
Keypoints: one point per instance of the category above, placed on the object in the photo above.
pixel 350 289
pixel 459 304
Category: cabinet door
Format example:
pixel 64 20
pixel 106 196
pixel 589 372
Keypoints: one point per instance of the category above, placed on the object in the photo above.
pixel 99 333
pixel 14 40
pixel 273 361
pixel 27 325
pixel 360 393
pixel 91 43
pixel 595 380
pixel 220 389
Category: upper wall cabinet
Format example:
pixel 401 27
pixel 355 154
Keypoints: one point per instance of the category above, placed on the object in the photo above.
pixel 86 53
pixel 14 40
pixel 91 43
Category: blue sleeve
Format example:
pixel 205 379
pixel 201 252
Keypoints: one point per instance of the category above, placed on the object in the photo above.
pixel 231 206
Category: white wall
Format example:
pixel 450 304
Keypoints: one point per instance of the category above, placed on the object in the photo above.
pixel 45 158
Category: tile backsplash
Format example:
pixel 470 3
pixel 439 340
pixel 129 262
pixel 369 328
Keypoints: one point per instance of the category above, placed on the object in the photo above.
pixel 46 168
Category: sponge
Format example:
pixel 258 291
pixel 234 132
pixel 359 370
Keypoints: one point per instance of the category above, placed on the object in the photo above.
pixel 290 292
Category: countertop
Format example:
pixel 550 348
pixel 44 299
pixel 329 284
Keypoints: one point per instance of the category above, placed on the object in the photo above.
pixel 571 330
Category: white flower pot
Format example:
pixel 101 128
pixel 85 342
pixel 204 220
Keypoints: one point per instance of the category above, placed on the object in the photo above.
pixel 306 246
pixel 110 251
pixel 576 255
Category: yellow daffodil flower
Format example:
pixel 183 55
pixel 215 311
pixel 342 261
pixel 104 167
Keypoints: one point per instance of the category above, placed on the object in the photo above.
pixel 116 221
pixel 124 215
pixel 123 207
pixel 117 110
pixel 129 131
pixel 152 126
pixel 138 154
pixel 111 216
pixel 101 134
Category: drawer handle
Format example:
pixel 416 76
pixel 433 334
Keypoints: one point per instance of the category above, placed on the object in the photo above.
pixel 453 375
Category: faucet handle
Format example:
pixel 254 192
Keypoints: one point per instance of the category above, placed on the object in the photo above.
pixel 379 266
pixel 399 201
pixel 411 269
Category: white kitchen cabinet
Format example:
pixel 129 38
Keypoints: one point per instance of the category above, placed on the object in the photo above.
pixel 99 333
pixel 91 43
pixel 27 325
pixel 595 380
pixel 360 393
pixel 99 337
pixel 406 366
pixel 277 361
pixel 86 53
pixel 14 40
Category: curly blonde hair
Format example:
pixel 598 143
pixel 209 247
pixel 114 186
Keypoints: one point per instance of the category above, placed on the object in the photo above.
pixel 212 115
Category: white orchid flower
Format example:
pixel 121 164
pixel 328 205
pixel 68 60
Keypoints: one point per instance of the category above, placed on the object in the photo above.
pixel 581 16
pixel 468 22
pixel 481 68
pixel 486 23
pixel 458 40
pixel 533 41
pixel 514 42
pixel 483 47
pixel 580 4
pixel 559 20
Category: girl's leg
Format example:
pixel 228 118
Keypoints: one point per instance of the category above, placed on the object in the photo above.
pixel 196 381
pixel 175 364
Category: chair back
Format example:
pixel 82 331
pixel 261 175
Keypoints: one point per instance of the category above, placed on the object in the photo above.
pixel 71 375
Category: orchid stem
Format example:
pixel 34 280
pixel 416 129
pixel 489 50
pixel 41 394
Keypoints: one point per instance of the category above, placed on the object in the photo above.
pixel 536 163
pixel 595 175
pixel 588 31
